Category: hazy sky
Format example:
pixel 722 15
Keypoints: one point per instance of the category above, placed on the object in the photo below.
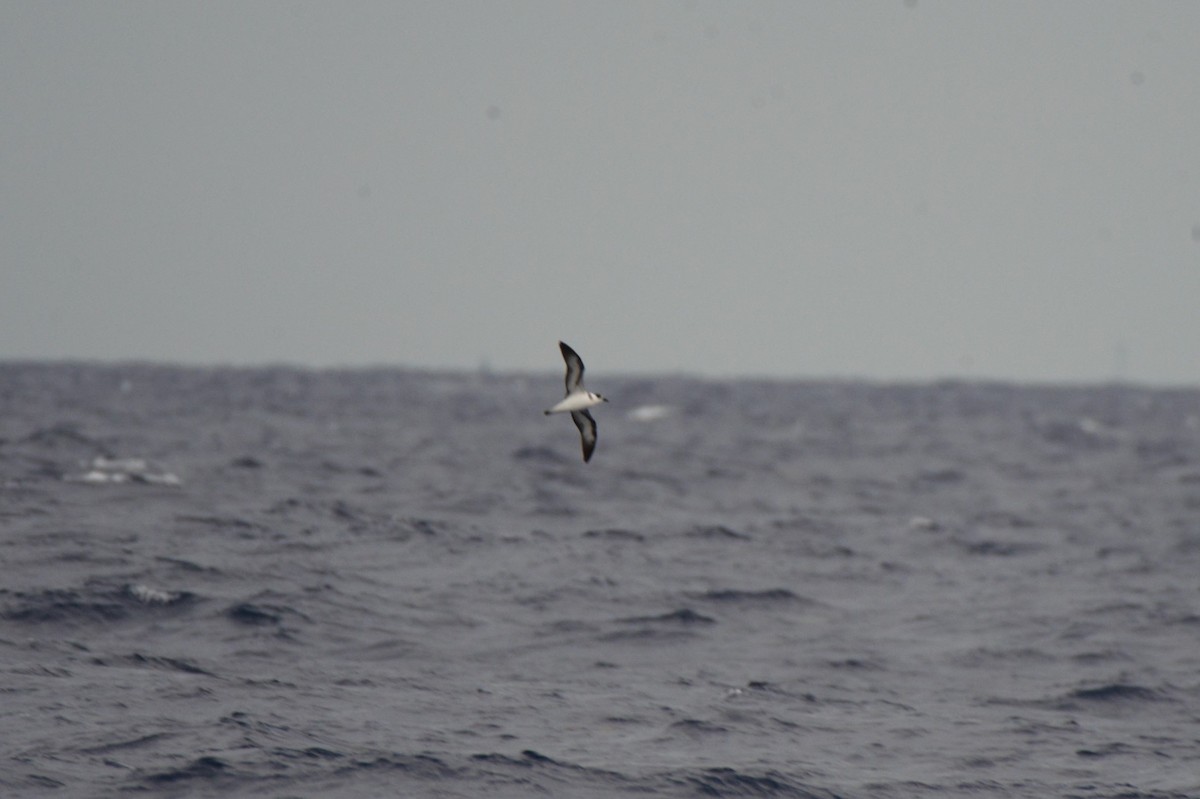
pixel 887 189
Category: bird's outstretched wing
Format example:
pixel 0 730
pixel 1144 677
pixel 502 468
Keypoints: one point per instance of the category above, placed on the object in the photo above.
pixel 587 432
pixel 574 379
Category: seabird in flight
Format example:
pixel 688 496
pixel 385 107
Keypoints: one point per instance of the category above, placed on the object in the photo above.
pixel 578 400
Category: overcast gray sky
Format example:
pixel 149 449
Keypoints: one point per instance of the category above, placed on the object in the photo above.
pixel 889 190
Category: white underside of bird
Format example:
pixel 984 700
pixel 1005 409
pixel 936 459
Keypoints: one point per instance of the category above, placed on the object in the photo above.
pixel 577 402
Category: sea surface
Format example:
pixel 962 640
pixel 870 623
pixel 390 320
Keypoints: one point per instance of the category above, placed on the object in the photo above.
pixel 278 582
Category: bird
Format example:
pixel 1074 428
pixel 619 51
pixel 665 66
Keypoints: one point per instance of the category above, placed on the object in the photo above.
pixel 578 400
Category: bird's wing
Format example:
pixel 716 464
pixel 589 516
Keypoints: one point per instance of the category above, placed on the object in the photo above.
pixel 587 432
pixel 574 379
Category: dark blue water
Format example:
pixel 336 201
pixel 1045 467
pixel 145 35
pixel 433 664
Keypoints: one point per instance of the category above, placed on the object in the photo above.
pixel 288 583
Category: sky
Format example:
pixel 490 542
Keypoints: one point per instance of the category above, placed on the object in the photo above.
pixel 901 190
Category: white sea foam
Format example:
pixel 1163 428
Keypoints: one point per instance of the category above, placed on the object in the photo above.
pixel 650 413
pixel 107 471
pixel 152 596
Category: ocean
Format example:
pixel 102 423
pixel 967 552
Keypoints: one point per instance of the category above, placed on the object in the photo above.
pixel 279 582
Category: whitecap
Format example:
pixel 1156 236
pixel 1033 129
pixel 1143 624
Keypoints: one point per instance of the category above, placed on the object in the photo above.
pixel 152 596
pixel 105 471
pixel 650 413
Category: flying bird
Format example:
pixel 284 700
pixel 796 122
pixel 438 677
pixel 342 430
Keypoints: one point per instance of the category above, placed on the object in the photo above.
pixel 578 400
